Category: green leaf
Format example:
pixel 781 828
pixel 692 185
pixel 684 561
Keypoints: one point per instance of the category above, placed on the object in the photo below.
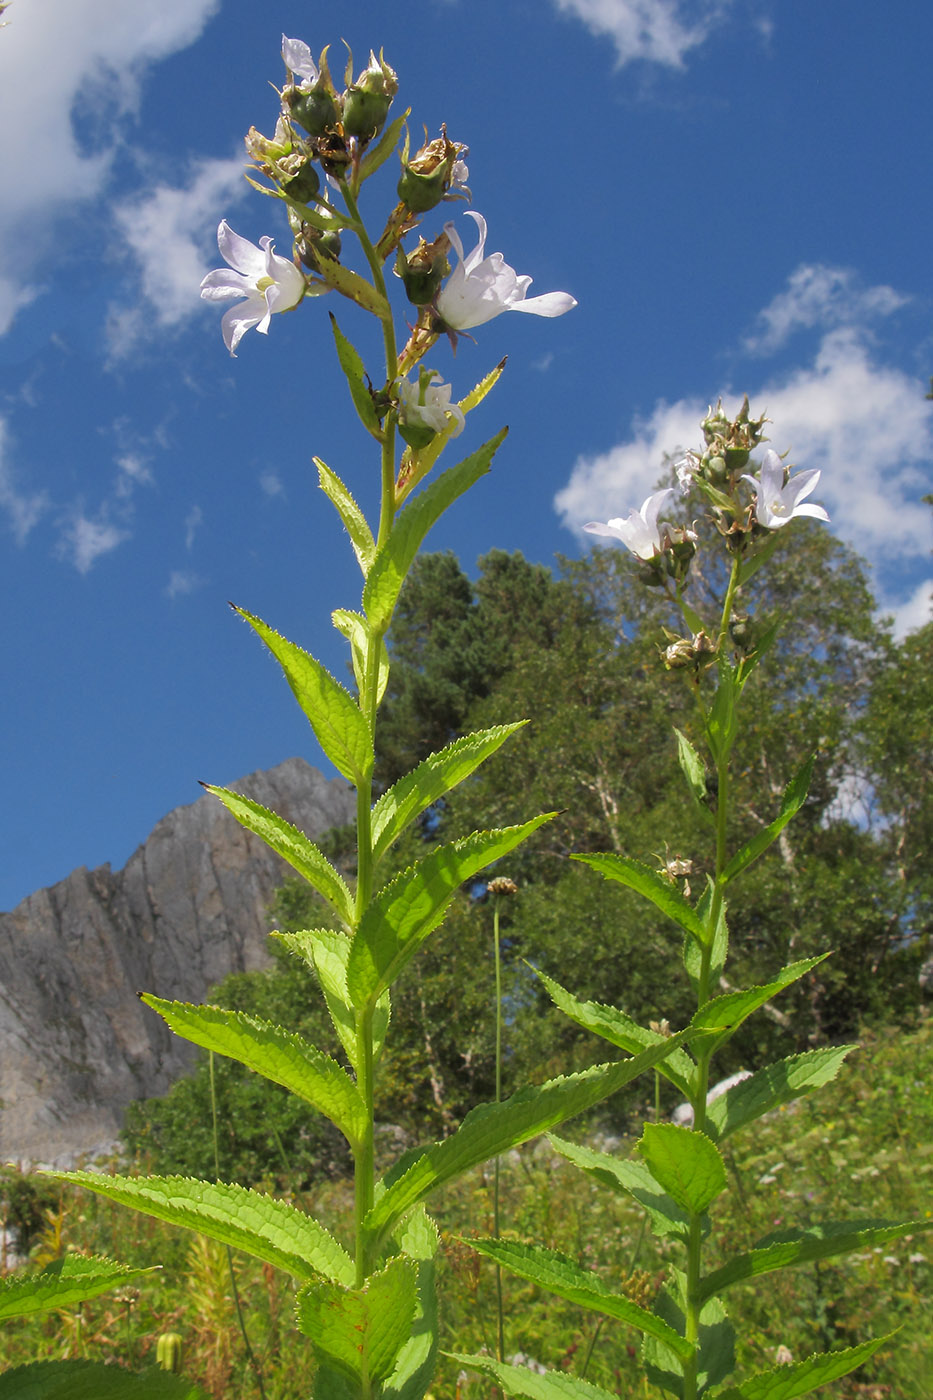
pixel 337 721
pixel 292 845
pixel 361 1330
pixel 516 1380
pixel 93 1380
pixel 328 952
pixel 395 557
pixel 562 1276
pixel 722 721
pixel 410 907
pixel 439 772
pixel 693 952
pixel 715 1342
pixel 276 1054
pixel 418 1357
pixel 63 1282
pixel 794 797
pixel 730 1010
pixel 493 1128
pixel 684 1163
pixel 802 1377
pixel 693 769
pixel 772 1086
pixel 361 537
pixel 786 1249
pixel 661 892
pixel 620 1030
pixel 634 1178
pixel 260 1225
pixel 350 284
pixel 358 633
pixel 358 380
pixel 378 154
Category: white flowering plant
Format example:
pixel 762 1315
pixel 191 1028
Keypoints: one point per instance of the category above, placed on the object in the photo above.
pixel 369 1311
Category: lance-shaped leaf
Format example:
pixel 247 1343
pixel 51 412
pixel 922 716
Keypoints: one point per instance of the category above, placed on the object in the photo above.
pixel 417 1360
pixel 622 1031
pixel 493 1128
pixel 768 1088
pixel 684 1163
pixel 562 1276
pixel 292 845
pixel 361 537
pixel 439 772
pixel 620 1174
pixel 350 284
pixel 276 1054
pixel 377 155
pixel 410 907
pixel 786 1249
pixel 394 559
pixel 72 1279
pixel 802 1377
pixel 358 380
pixel 517 1380
pixel 730 1010
pixel 337 721
pixel 94 1380
pixel 692 767
pixel 269 1229
pixel 662 893
pixel 415 465
pixel 794 797
pixel 693 952
pixel 722 722
pixel 361 1331
pixel 715 1342
pixel 328 952
pixel 359 634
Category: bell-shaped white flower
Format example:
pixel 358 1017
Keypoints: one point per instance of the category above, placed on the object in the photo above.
pixel 427 404
pixel 268 282
pixel 480 288
pixel 777 503
pixel 297 59
pixel 640 532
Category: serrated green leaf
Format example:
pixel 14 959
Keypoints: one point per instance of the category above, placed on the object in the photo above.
pixel 439 772
pixel 331 1384
pixel 361 537
pixel 772 1086
pixel 276 1054
pixel 620 1030
pixel 327 952
pixel 693 769
pixel 787 1249
pixel 292 845
pixel 562 1276
pixel 350 284
pixel 661 892
pixel 516 1380
pixel 733 1008
pixel 722 721
pixel 358 633
pixel 410 907
pixel 795 795
pixel 394 559
pixel 417 1359
pixel 338 723
pixel 802 1377
pixel 693 952
pixel 684 1163
pixel 65 1281
pixel 377 155
pixel 715 1342
pixel 269 1229
pixel 634 1178
pixel 361 1330
pixel 493 1128
pixel 358 381
pixel 93 1380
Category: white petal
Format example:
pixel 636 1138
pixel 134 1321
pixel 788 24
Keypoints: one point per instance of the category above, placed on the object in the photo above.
pixel 239 319
pixel 817 512
pixel 476 257
pixel 297 59
pixel 223 283
pixel 547 304
pixel 240 253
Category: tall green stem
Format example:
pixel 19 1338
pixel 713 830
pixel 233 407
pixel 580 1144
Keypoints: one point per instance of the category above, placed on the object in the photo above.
pixel 500 1309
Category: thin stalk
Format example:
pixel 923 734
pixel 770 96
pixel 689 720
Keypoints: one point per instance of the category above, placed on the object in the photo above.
pixel 500 1310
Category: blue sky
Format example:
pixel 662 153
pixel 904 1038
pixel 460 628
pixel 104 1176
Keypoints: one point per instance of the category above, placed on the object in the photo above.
pixel 737 193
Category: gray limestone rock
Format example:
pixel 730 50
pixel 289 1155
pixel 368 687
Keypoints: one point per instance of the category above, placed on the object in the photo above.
pixel 76 1044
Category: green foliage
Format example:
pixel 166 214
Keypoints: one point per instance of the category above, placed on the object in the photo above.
pixel 88 1380
pixel 61 1283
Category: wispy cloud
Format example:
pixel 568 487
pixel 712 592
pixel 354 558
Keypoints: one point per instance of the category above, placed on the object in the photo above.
pixel 657 31
pixel 271 483
pixel 181 582
pixel 83 539
pixel 23 509
pixel 824 297
pixel 192 524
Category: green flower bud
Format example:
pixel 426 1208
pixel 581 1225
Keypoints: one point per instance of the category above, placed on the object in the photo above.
pixel 315 109
pixel 311 241
pixel 426 178
pixel 298 178
pixel 168 1352
pixel 366 102
pixel 423 273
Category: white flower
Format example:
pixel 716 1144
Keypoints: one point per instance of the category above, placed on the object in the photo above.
pixel 297 59
pixel 268 282
pixel 776 503
pixel 640 531
pixel 687 467
pixel 480 288
pixel 427 404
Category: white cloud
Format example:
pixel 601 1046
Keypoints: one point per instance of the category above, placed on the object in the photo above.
pixel 131 472
pixel 271 483
pixel 916 612
pixel 57 57
pixel 192 525
pixel 817 295
pixel 84 540
pixel 182 582
pixel 23 510
pixel 659 31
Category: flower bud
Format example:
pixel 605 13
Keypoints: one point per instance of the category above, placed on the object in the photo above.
pixel 265 151
pixel 333 155
pixel 168 1352
pixel 311 241
pixel 366 102
pixel 314 109
pixel 298 178
pixel 425 270
pixel 426 178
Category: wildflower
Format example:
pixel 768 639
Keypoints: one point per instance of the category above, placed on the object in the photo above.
pixel 297 59
pixel 481 287
pixel 268 282
pixel 776 502
pixel 424 409
pixel 687 468
pixel 639 532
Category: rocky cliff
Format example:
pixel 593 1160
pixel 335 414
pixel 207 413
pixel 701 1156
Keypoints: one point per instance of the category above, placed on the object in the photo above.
pixel 76 1044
